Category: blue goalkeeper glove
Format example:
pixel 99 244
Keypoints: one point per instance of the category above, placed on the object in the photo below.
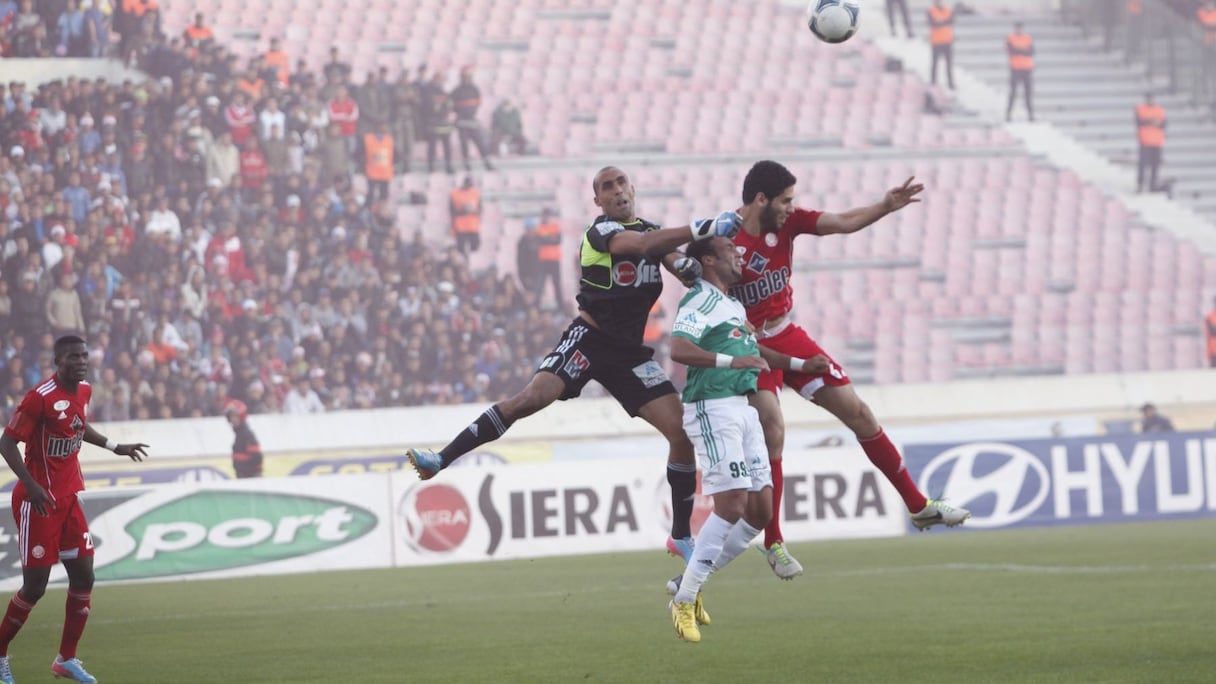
pixel 726 225
pixel 687 270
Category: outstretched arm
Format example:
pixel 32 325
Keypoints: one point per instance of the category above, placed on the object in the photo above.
pixel 854 220
pixel 813 366
pixel 136 452
pixel 663 241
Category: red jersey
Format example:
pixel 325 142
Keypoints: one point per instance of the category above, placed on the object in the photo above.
pixel 51 420
pixel 345 113
pixel 765 287
pixel 240 122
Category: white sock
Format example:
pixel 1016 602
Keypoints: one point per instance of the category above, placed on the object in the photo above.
pixel 709 546
pixel 737 541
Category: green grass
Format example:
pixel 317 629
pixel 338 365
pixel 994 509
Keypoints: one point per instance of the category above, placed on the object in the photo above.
pixel 1112 603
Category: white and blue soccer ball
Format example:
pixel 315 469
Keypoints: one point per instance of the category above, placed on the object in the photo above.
pixel 834 21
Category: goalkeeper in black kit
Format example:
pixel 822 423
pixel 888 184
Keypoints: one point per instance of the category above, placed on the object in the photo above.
pixel 620 257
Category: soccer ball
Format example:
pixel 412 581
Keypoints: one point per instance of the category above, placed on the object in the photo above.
pixel 834 21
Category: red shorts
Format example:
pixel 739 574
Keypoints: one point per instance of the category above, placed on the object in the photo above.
pixel 44 540
pixel 795 342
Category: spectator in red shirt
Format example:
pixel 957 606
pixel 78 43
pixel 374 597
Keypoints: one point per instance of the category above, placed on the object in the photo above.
pixel 344 111
pixel 241 119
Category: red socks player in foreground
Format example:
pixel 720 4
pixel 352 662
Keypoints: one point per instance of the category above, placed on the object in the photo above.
pixel 52 421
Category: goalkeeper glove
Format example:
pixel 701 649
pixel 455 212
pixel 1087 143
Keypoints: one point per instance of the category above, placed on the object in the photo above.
pixel 727 225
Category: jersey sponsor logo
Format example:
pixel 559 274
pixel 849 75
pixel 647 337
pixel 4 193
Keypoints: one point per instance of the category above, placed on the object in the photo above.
pixel 768 284
pixel 629 274
pixel 61 404
pixel 577 365
pixel 650 373
pixel 757 263
pixel 607 228
pixel 689 325
pixel 62 447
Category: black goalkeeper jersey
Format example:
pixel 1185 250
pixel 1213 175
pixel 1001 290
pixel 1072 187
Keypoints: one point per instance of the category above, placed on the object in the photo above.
pixel 618 291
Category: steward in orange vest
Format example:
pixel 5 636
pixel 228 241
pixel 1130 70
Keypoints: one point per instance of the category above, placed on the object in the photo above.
pixel 1020 48
pixel 466 216
pixel 549 256
pixel 1150 133
pixel 378 161
pixel 941 36
pixel 197 33
pixel 276 59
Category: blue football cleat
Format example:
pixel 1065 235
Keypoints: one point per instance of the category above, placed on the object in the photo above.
pixel 426 462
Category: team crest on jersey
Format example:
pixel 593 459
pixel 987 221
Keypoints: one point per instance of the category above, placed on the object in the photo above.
pixel 77 423
pixel 757 263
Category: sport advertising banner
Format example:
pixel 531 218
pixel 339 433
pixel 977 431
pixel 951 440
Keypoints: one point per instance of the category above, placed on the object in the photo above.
pixel 228 529
pixel 623 504
pixel 1071 481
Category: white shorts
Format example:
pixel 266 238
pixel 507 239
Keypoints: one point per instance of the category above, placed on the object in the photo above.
pixel 729 442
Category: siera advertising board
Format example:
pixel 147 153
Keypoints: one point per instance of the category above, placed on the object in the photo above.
pixel 227 529
pixel 602 506
pixel 1071 481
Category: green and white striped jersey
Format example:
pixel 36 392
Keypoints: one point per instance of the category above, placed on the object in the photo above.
pixel 716 322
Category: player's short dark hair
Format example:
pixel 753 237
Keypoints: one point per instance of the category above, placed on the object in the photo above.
pixel 62 344
pixel 768 177
pixel 699 249
pixel 595 180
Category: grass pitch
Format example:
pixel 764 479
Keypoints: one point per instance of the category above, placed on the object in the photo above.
pixel 1110 603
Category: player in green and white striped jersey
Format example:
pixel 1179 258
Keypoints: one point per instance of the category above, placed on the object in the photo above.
pixel 712 337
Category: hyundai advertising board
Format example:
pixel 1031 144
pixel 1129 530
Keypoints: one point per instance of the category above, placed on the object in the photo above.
pixel 1069 481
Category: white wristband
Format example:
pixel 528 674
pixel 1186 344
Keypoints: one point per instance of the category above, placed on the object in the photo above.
pixel 723 361
pixel 111 444
pixel 798 365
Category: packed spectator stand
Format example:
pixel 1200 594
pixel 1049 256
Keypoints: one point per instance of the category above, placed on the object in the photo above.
pixel 211 231
pixel 138 215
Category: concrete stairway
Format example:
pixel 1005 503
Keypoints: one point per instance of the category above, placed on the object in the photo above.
pixel 1090 95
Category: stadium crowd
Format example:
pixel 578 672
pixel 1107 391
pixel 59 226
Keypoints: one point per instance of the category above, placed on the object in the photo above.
pixel 206 231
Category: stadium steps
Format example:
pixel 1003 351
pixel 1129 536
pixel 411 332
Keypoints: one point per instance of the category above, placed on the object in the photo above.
pixel 1091 95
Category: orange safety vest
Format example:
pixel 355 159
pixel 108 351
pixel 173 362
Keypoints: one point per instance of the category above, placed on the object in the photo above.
pixel 251 88
pixel 278 59
pixel 941 25
pixel 379 151
pixel 465 217
pixel 1021 49
pixel 1207 22
pixel 549 252
pixel 198 34
pixel 1150 120
pixel 1211 325
pixel 1135 7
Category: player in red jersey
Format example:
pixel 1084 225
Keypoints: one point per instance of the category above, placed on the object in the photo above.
pixel 766 242
pixel 52 420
